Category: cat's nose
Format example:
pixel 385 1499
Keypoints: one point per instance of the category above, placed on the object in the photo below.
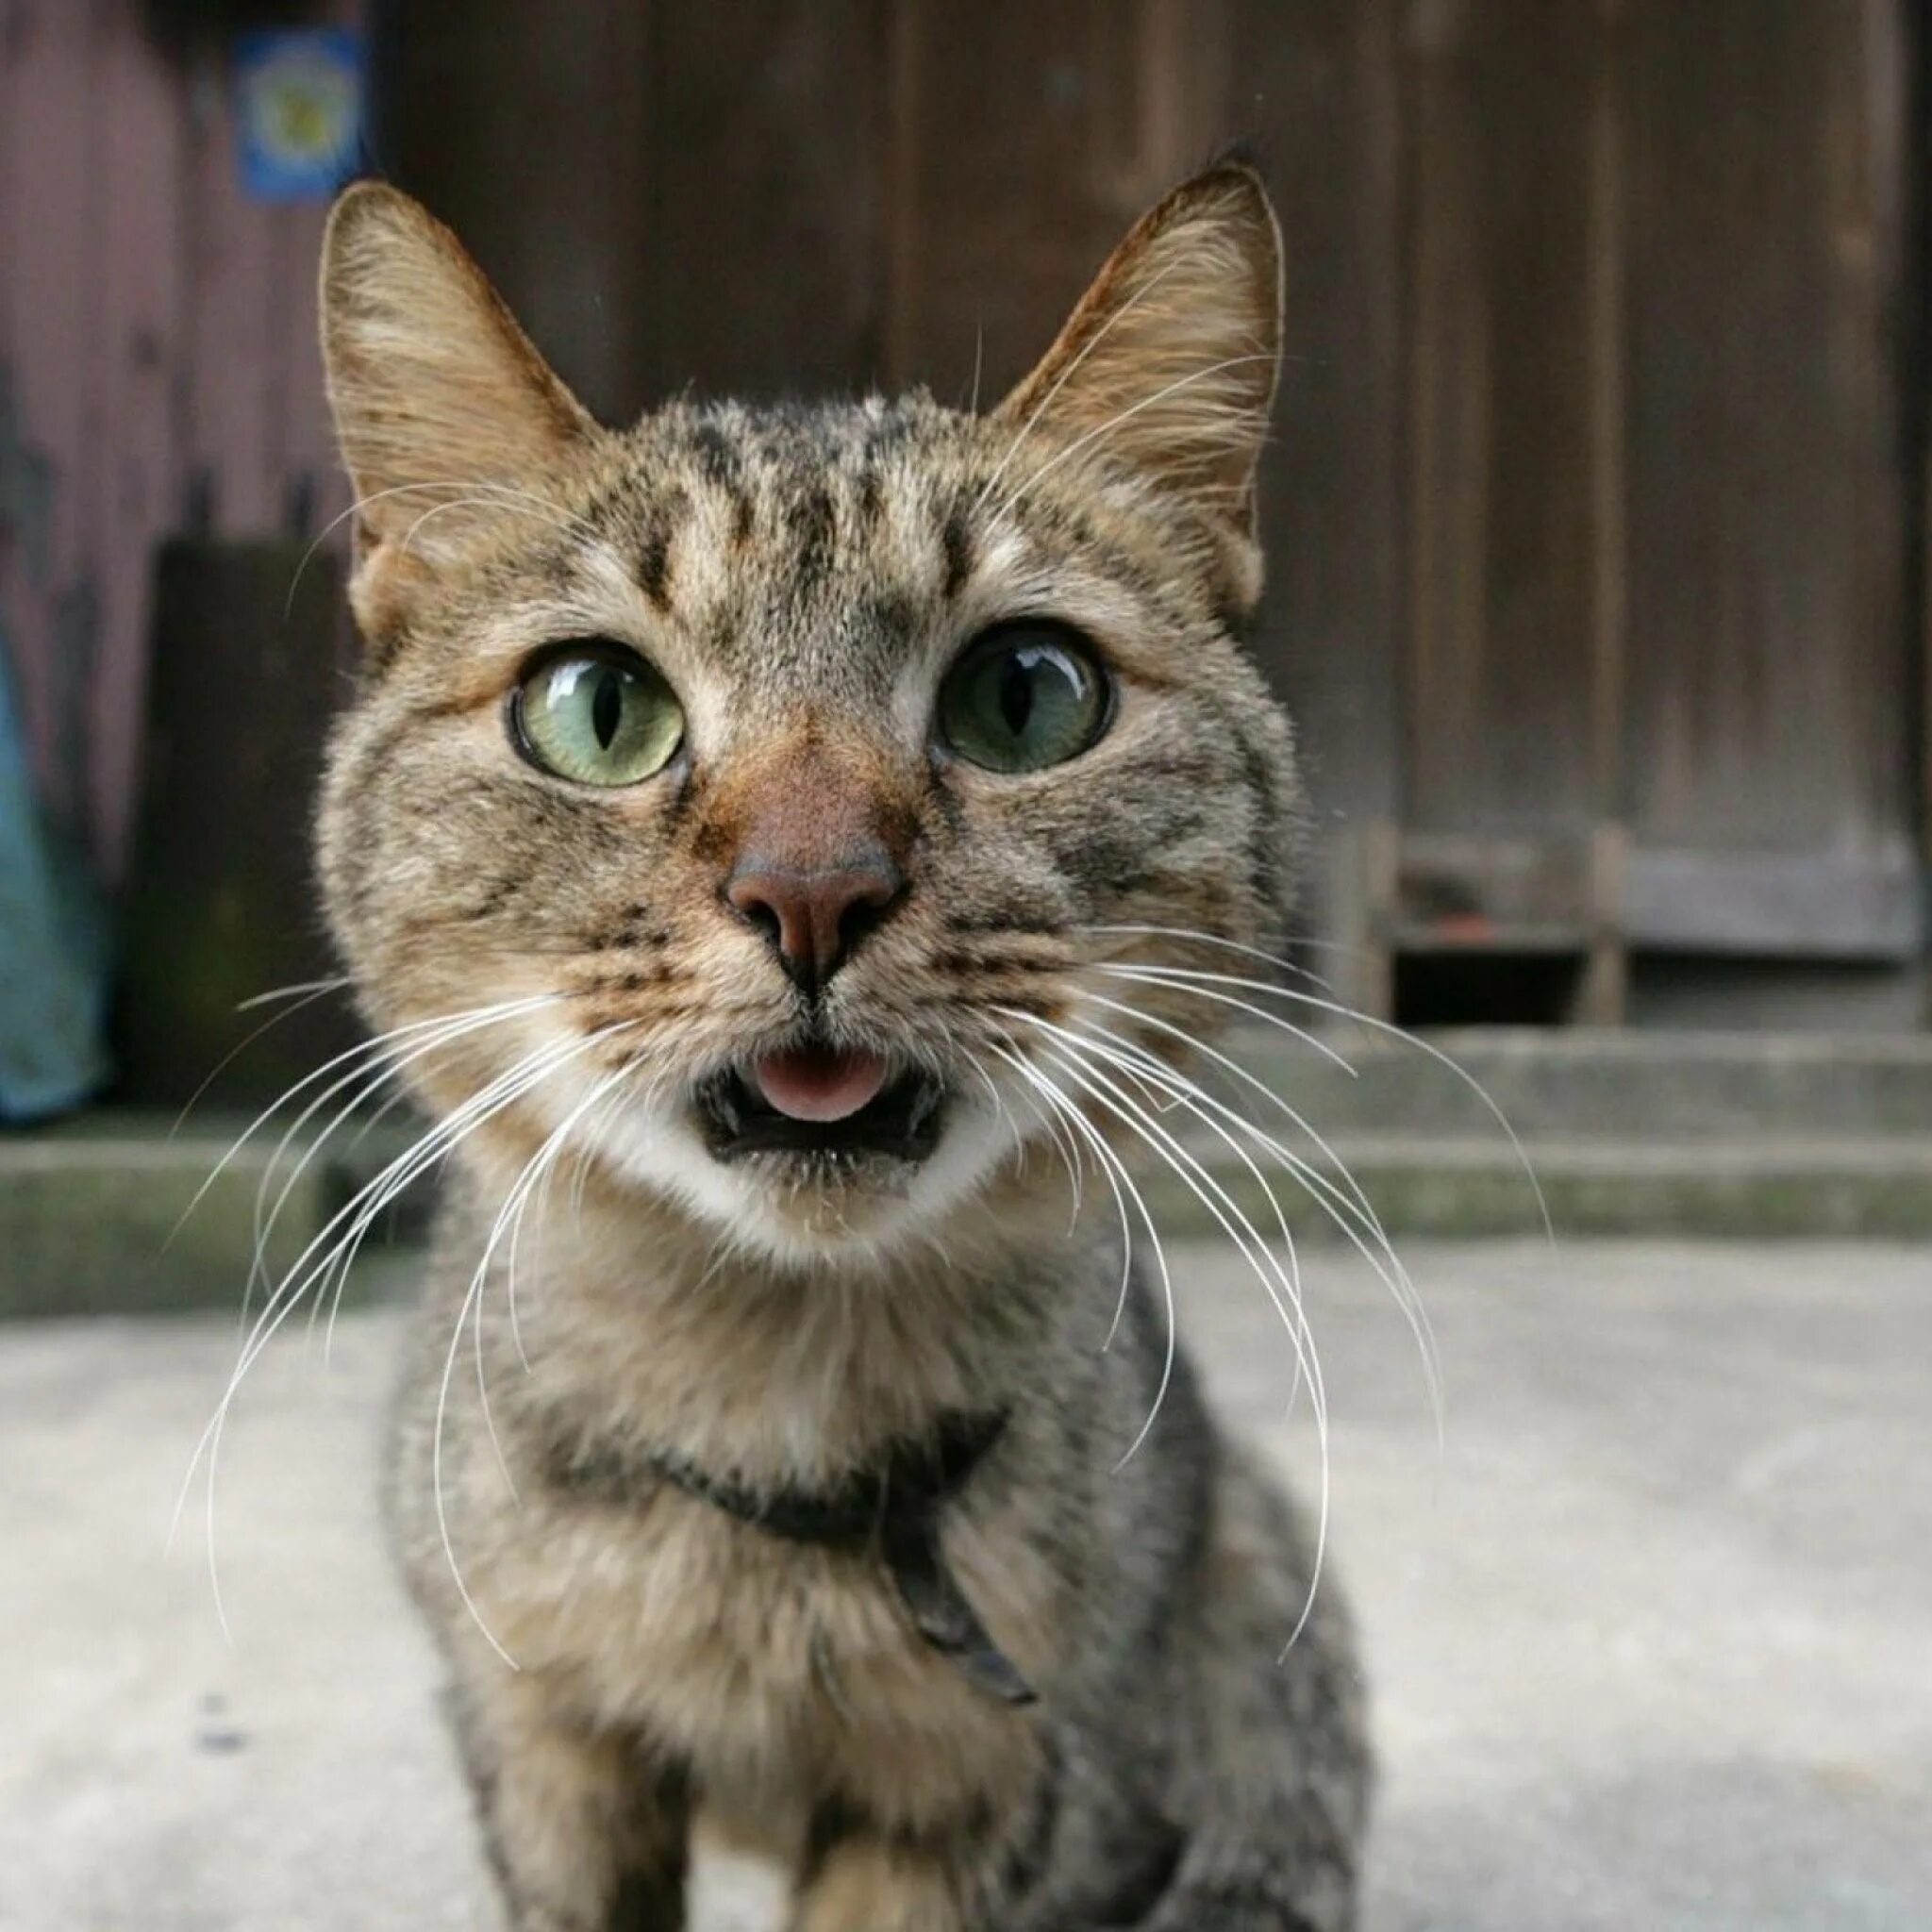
pixel 814 917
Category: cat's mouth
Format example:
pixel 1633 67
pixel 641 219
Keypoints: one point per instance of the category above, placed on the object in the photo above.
pixel 836 1104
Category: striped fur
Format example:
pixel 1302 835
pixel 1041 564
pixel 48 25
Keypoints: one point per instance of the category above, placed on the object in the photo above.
pixel 624 1668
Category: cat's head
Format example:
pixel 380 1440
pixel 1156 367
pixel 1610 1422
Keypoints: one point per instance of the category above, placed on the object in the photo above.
pixel 761 803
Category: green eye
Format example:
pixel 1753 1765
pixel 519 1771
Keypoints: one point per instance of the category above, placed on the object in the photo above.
pixel 598 714
pixel 1024 696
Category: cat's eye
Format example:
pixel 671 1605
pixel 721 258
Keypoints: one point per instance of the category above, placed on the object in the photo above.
pixel 1024 696
pixel 597 713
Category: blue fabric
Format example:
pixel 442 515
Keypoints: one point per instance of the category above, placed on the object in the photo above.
pixel 53 950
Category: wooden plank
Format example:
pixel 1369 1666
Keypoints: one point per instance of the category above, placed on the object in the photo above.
pixel 1469 882
pixel 1605 298
pixel 311 484
pixel 220 906
pixel 16 509
pixel 1315 87
pixel 527 129
pixel 313 490
pixel 1024 137
pixel 1504 618
pixel 1767 629
pixel 1918 219
pixel 1867 904
pixel 138 346
pixel 49 596
pixel 232 347
pixel 766 168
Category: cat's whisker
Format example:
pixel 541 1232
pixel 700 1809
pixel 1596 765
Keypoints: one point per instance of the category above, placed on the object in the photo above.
pixel 317 1261
pixel 1395 1277
pixel 274 995
pixel 304 994
pixel 575 1050
pixel 999 1104
pixel 1117 1174
pixel 393 1065
pixel 365 1049
pixel 375 1117
pixel 508 1217
pixel 1088 1050
pixel 1313 1041
pixel 1237 1224
pixel 1356 1198
pixel 1196 936
pixel 1069 1151
pixel 461 503
pixel 1201 984
pixel 427 1154
pixel 605 1098
pixel 382 1051
pixel 1244 1235
pixel 1047 1117
pixel 346 1226
pixel 1180 1093
pixel 1347 1210
pixel 1226 1211
pixel 390 1074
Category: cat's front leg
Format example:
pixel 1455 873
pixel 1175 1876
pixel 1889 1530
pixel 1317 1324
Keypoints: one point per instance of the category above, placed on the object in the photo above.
pixel 1244 1896
pixel 860 1874
pixel 869 1885
pixel 584 1833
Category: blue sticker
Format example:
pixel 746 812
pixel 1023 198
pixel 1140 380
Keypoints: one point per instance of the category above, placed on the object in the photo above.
pixel 298 112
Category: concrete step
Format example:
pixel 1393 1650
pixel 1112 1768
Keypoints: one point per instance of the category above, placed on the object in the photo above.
pixel 1583 1084
pixel 1692 1135
pixel 116 1214
pixel 1751 1188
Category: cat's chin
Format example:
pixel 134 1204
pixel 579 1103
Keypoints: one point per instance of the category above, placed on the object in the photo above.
pixel 868 1184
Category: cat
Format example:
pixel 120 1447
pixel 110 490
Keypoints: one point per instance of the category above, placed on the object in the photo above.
pixel 782 846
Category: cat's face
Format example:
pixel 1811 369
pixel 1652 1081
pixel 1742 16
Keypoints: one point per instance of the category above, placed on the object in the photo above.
pixel 769 784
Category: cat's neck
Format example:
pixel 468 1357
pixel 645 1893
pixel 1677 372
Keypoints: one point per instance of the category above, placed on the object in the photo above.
pixel 647 1330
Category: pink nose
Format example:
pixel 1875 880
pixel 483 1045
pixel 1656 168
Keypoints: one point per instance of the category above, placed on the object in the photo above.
pixel 814 918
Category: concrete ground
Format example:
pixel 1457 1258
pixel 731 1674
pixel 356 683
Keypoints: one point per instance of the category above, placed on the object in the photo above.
pixel 1652 1644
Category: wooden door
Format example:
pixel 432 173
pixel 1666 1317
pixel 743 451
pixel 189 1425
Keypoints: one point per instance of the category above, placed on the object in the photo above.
pixel 1587 504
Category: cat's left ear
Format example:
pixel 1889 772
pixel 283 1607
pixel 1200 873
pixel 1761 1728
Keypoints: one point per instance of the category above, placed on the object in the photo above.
pixel 436 392
pixel 1169 362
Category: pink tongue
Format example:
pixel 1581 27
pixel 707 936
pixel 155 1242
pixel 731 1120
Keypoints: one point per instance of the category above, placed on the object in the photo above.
pixel 814 1085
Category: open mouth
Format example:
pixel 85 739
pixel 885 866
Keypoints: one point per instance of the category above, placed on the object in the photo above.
pixel 812 1101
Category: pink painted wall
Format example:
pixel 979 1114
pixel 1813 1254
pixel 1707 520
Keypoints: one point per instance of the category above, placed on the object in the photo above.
pixel 158 363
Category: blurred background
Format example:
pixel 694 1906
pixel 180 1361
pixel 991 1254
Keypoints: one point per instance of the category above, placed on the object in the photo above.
pixel 1597 520
pixel 1596 513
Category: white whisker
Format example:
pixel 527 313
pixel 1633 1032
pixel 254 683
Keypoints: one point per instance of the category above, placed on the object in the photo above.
pixel 1118 1177
pixel 1236 1223
pixel 1346 1210
pixel 339 1237
pixel 303 994
pixel 1187 979
pixel 470 1310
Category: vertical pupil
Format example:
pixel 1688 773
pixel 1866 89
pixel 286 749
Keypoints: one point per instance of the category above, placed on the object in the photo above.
pixel 606 707
pixel 1016 692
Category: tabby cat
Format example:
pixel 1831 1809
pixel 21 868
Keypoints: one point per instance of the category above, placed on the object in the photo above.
pixel 783 844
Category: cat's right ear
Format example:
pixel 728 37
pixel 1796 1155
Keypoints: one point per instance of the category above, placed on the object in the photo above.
pixel 435 390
